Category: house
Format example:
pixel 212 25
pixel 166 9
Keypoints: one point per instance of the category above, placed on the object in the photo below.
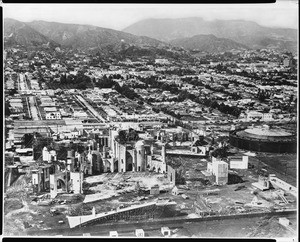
pixel 113 234
pixel 166 231
pixel 53 115
pixel 252 115
pixel 201 150
pixel 154 190
pixel 139 233
pixel 177 191
pixel 75 132
pixel 80 114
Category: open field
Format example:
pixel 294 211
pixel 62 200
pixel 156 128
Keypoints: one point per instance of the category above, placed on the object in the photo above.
pixel 283 165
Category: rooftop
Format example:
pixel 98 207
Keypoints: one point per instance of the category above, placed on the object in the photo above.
pixel 267 132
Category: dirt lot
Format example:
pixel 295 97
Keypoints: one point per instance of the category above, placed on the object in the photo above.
pixel 259 227
pixel 283 165
pixel 114 189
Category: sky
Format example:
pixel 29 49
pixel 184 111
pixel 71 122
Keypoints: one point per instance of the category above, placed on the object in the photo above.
pixel 283 13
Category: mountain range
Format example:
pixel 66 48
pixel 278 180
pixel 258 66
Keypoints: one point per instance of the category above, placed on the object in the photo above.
pixel 19 33
pixel 208 43
pixel 247 33
pixel 151 37
pixel 76 35
pixel 71 35
pixel 108 42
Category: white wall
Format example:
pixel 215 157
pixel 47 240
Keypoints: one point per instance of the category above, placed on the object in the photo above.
pixel 239 163
pixel 76 179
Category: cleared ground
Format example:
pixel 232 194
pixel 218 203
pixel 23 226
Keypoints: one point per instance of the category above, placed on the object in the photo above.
pixel 112 190
pixel 284 165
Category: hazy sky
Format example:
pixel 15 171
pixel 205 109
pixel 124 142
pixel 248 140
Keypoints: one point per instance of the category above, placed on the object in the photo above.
pixel 283 13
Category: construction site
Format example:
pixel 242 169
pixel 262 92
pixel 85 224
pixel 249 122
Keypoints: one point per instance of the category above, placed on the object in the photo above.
pixel 78 179
pixel 140 196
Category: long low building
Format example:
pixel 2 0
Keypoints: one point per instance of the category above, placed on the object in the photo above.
pixel 44 127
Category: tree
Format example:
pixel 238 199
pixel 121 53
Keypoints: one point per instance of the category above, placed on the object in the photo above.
pixel 7 110
pixel 236 112
pixel 122 136
pixel 132 135
pixel 183 95
pixel 220 152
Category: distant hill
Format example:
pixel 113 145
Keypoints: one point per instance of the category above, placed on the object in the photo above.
pixel 19 33
pixel 84 36
pixel 107 42
pixel 207 43
pixel 248 33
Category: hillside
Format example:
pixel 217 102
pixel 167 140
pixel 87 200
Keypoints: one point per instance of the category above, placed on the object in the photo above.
pixel 85 36
pixel 108 42
pixel 207 43
pixel 19 33
pixel 245 32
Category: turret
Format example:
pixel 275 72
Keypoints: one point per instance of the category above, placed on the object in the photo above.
pixel 45 154
pixel 163 153
pixel 140 161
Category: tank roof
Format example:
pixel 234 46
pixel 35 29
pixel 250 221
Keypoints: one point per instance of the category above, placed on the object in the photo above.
pixel 267 132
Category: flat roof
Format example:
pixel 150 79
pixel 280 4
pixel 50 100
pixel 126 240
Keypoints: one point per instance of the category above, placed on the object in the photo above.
pixel 18 123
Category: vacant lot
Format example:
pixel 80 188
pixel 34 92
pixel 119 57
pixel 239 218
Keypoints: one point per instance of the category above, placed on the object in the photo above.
pixel 283 165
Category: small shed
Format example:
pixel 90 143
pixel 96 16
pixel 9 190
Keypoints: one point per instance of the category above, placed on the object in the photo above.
pixel 154 190
pixel 165 231
pixel 184 196
pixel 139 233
pixel 113 234
pixel 176 191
